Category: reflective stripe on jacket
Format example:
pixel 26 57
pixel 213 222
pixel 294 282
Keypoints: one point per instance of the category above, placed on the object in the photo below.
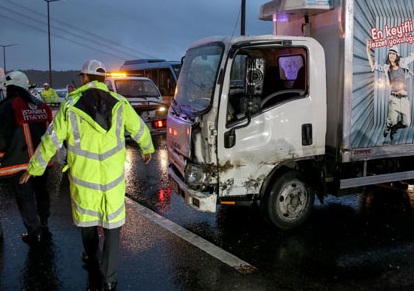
pixel 95 157
pixel 49 96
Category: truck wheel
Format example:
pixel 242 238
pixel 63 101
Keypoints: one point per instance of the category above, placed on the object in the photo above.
pixel 289 201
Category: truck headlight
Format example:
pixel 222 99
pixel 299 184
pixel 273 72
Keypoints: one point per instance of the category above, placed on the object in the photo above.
pixel 194 176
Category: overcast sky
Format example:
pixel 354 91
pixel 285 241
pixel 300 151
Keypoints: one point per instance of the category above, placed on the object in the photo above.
pixel 115 30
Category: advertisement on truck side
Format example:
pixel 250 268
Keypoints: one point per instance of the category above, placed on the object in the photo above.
pixel 382 104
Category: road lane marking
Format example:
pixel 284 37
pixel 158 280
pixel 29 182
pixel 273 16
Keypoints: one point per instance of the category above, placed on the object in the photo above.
pixel 213 250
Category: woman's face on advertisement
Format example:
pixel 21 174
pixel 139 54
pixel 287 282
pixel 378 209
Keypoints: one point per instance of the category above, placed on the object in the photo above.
pixel 392 56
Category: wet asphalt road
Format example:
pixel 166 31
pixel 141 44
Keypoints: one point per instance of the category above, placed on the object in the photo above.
pixel 348 243
pixel 360 241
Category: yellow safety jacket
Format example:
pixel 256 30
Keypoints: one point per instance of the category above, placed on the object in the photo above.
pixel 95 157
pixel 49 96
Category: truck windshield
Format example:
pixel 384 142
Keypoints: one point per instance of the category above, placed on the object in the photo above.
pixel 197 79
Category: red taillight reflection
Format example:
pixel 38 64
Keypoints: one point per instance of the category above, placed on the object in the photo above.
pixel 164 197
pixel 160 123
pixel 172 131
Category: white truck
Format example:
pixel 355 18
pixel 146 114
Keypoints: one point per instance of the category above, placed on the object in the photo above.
pixel 311 111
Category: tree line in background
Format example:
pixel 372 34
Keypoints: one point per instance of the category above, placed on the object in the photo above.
pixel 59 78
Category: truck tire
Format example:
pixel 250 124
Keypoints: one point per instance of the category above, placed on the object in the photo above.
pixel 289 201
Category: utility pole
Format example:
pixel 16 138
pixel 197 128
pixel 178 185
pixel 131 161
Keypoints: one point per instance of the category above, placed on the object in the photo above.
pixel 243 18
pixel 4 55
pixel 48 37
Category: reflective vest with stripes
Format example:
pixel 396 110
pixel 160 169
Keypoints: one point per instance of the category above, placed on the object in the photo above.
pixel 95 157
pixel 49 96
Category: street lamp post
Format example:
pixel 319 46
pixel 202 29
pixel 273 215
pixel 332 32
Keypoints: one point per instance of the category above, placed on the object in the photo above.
pixel 243 18
pixel 4 55
pixel 48 37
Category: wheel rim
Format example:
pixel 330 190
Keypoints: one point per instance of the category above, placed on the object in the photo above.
pixel 292 200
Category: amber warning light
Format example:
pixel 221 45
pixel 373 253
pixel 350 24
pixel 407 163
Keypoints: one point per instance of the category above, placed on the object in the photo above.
pixel 117 74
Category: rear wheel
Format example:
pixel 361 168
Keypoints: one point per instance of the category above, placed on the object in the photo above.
pixel 289 201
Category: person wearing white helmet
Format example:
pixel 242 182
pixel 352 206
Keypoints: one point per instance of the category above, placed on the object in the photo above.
pixel 93 123
pixel 396 71
pixel 24 119
pixel 49 94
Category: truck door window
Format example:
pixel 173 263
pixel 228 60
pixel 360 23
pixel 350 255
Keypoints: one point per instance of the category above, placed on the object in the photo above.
pixel 284 79
pixel 237 88
pixel 294 73
pixel 287 80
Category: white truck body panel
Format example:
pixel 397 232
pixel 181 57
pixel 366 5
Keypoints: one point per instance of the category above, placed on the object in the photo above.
pixel 358 98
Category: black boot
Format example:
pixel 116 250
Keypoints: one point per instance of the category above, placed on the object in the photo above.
pixel 94 281
pixel 31 239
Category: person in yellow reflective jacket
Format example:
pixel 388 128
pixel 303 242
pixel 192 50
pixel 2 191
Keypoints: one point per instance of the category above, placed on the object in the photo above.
pixel 93 123
pixel 48 94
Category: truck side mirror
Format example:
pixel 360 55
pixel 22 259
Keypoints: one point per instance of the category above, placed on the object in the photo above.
pixel 230 136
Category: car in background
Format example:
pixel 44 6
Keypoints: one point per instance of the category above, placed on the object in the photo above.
pixel 61 94
pixel 54 106
pixel 145 98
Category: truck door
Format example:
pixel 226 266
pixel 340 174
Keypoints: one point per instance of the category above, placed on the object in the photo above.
pixel 267 116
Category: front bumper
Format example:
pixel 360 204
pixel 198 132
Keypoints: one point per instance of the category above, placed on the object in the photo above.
pixel 201 201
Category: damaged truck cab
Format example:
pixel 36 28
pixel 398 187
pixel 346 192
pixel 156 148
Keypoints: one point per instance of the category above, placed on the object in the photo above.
pixel 279 119
pixel 248 118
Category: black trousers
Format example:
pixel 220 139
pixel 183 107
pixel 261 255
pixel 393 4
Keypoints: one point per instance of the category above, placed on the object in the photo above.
pixel 108 257
pixel 33 201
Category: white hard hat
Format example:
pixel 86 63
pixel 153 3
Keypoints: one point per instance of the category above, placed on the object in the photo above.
pixel 394 49
pixel 93 67
pixel 16 78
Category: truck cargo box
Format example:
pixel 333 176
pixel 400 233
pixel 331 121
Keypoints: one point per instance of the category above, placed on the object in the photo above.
pixel 359 98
